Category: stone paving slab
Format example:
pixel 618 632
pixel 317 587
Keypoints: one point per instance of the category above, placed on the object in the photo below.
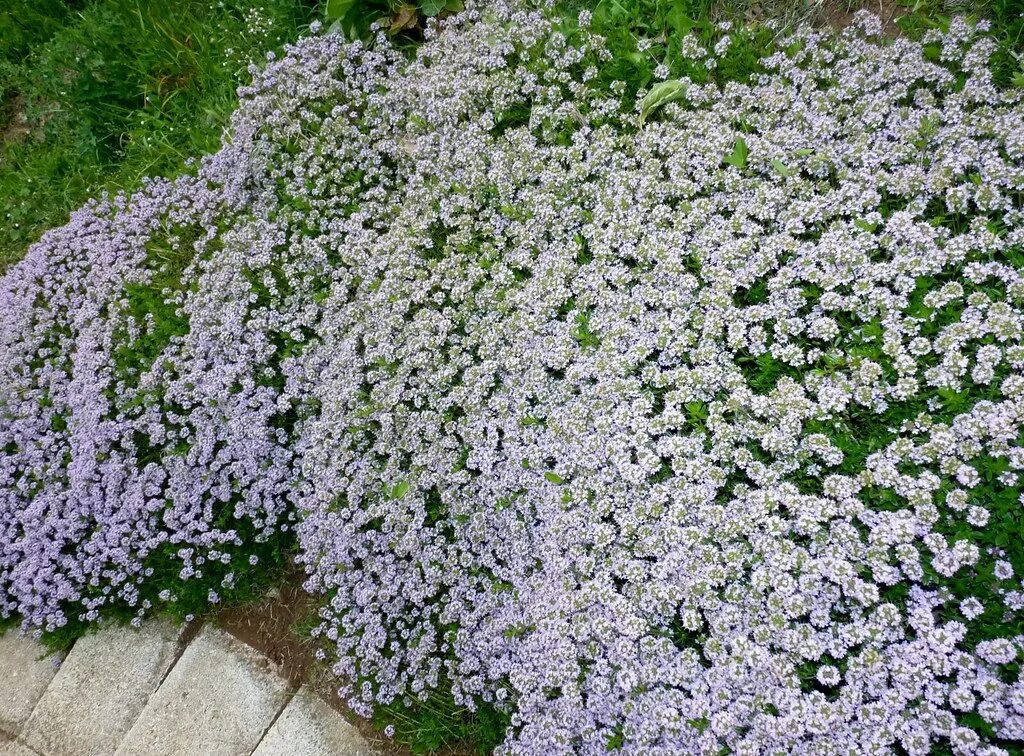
pixel 23 679
pixel 310 727
pixel 101 689
pixel 218 700
pixel 10 747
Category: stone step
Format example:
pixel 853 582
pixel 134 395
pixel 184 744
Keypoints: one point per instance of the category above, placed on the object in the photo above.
pixel 10 747
pixel 308 726
pixel 100 690
pixel 24 675
pixel 218 700
pixel 122 691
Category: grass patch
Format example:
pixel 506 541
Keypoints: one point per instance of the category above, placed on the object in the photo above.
pixel 97 95
pixel 439 722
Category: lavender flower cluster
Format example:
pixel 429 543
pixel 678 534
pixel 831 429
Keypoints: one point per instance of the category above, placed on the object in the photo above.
pixel 666 430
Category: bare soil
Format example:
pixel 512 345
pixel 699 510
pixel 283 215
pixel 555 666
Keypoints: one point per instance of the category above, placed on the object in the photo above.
pixel 14 126
pixel 835 13
pixel 274 626
pixel 839 14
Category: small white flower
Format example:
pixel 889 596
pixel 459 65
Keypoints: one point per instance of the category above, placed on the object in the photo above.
pixel 971 608
pixel 1003 569
pixel 828 675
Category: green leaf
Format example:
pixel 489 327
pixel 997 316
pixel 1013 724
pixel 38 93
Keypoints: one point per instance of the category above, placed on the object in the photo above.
pixel 738 156
pixel 700 724
pixel 782 168
pixel 805 151
pixel 401 489
pixel 554 478
pixel 660 94
pixel 678 19
pixel 432 7
pixel 698 410
pixel 336 9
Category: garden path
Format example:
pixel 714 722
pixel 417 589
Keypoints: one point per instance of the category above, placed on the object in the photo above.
pixel 161 690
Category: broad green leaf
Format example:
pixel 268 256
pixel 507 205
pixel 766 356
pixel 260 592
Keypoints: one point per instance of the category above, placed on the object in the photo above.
pixel 554 478
pixel 660 94
pixel 431 8
pixel 335 9
pixel 401 489
pixel 680 22
pixel 738 156
pixel 781 167
pixel 805 151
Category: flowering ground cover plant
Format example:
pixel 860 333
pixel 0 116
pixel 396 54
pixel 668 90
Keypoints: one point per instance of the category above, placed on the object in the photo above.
pixel 686 420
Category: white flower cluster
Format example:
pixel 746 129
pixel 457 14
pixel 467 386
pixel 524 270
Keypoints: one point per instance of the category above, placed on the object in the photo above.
pixel 666 434
pixel 658 447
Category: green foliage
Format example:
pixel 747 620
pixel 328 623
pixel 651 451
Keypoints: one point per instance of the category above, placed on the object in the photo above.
pixel 1006 17
pixel 439 722
pixel 25 24
pixel 191 597
pixel 97 95
pixel 738 156
pixel 400 489
pixel 663 23
pixel 662 94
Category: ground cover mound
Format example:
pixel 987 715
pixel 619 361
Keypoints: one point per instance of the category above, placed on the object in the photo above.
pixel 672 420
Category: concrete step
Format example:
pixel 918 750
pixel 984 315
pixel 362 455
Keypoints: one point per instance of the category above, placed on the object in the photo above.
pixel 139 693
pixel 25 672
pixel 218 700
pixel 101 689
pixel 309 726
pixel 10 747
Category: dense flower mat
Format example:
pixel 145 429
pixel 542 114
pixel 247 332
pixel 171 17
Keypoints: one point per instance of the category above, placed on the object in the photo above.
pixel 668 423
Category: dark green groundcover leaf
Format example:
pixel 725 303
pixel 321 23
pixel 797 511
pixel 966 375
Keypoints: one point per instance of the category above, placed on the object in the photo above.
pixel 336 9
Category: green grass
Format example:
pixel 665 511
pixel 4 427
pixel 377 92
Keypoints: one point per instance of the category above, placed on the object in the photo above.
pixel 97 95
pixel 439 722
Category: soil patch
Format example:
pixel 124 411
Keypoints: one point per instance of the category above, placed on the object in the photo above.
pixel 275 626
pixel 839 14
pixel 270 626
pixel 14 126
